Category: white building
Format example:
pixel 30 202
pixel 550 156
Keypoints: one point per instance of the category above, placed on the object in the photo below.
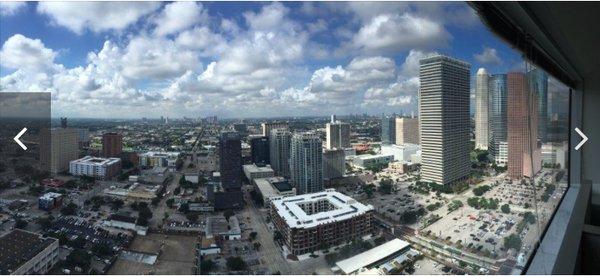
pixel 401 152
pixel 501 158
pixel 312 221
pixel 97 167
pixel 393 250
pixel 367 160
pixel 253 171
pixel 334 163
pixel 444 98
pixel 26 253
pixel 554 154
pixel 481 109
pixel 126 223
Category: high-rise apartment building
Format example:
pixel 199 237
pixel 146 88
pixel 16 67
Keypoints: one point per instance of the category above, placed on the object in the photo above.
pixel 63 143
pixel 268 127
pixel 444 119
pixel 112 144
pixel 279 151
pixel 338 134
pixel 259 149
pixel 481 109
pixel 306 162
pixel 388 129
pixel 497 146
pixel 230 165
pixel 334 163
pixel 407 131
pixel 524 154
pixel 538 85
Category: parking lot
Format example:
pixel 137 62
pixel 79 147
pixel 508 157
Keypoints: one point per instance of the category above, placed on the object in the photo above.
pixel 75 228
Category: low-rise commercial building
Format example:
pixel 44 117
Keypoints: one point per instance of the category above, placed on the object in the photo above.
pixel 159 159
pixel 26 253
pixel 50 201
pixel 311 222
pixel 401 152
pixel 96 167
pixel 382 259
pixel 219 226
pixel 125 221
pixel 254 171
pixel 367 160
pixel 272 188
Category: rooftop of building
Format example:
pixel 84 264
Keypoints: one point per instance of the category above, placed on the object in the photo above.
pixel 371 256
pixel 254 168
pixel 342 207
pixel 50 195
pixel 219 225
pixel 272 186
pixel 438 57
pixel 373 156
pixel 18 247
pixel 169 154
pixel 91 160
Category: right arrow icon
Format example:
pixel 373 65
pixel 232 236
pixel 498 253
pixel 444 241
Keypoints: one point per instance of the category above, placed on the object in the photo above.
pixel 585 138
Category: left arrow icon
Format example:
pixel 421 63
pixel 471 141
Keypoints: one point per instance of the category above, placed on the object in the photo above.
pixel 19 136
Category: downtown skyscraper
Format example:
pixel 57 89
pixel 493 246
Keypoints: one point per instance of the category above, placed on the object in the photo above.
pixel 259 149
pixel 498 147
pixel 279 151
pixel 338 134
pixel 388 129
pixel 230 162
pixel 306 162
pixel 407 131
pixel 444 119
pixel 538 85
pixel 524 154
pixel 481 109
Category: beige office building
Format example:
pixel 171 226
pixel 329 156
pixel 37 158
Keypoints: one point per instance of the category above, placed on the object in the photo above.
pixel 63 148
pixel 338 135
pixel 407 131
pixel 481 109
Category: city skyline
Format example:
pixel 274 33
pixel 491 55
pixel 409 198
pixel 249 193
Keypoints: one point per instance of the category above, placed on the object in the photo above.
pixel 286 55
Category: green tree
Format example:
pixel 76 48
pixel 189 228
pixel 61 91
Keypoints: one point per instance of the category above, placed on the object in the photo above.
pixel 236 264
pixel 69 210
pixel 512 241
pixel 505 208
pixel 21 224
pixel 253 235
pixel 385 186
pixel 206 266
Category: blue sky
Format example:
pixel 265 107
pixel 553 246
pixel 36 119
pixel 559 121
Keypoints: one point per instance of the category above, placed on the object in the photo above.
pixel 235 59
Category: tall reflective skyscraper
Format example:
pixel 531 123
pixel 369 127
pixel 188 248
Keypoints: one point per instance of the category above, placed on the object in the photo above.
pixel 388 129
pixel 279 151
pixel 524 154
pixel 444 119
pixel 481 109
pixel 306 162
pixel 538 84
pixel 498 147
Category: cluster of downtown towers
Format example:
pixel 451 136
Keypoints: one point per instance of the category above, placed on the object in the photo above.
pixel 507 106
pixel 510 119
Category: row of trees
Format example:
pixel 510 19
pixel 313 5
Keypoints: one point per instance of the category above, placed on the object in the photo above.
pixel 483 203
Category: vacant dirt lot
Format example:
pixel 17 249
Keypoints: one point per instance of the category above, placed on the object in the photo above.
pixel 175 255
